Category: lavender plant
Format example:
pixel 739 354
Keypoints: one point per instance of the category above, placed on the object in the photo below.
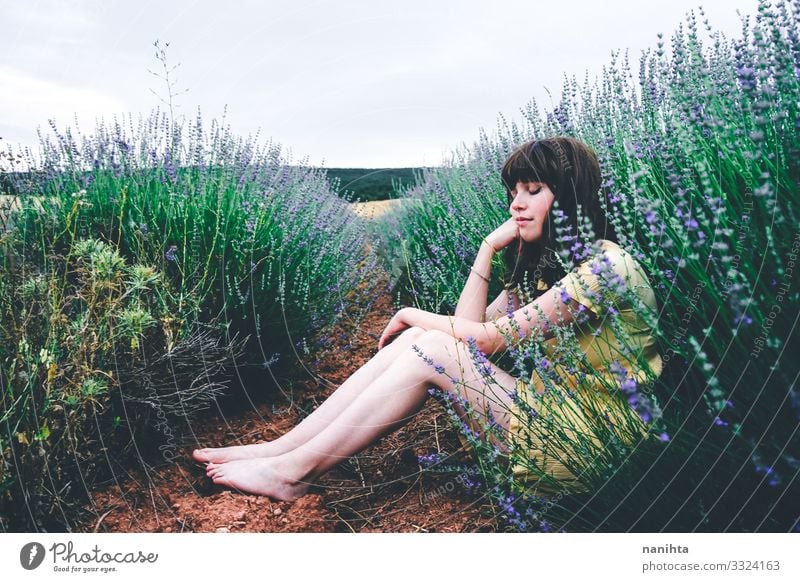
pixel 245 235
pixel 137 262
pixel 701 163
pixel 94 362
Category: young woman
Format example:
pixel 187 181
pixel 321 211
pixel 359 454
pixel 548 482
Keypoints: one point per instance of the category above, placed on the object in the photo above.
pixel 419 350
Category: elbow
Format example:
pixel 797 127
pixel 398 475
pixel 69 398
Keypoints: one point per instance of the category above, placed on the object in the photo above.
pixel 491 342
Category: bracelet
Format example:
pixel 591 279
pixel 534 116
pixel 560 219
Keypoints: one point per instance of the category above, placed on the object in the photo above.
pixel 490 245
pixel 478 274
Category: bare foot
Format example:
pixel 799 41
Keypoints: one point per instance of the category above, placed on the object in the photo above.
pixel 225 454
pixel 264 476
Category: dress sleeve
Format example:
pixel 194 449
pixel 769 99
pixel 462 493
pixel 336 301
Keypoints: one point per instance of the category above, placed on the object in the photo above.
pixel 601 281
pixel 583 286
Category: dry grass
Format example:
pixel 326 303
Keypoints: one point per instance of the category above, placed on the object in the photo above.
pixel 375 209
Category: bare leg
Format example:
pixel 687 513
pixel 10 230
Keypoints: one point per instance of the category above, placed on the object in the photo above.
pixel 384 406
pixel 324 414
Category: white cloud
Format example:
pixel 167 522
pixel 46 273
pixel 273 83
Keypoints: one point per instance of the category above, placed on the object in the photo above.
pixel 354 82
pixel 28 102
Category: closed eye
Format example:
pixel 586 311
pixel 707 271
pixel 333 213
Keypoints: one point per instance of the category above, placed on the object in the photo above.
pixel 512 194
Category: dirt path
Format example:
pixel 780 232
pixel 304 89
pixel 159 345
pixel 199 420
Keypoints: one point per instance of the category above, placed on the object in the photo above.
pixel 377 208
pixel 380 490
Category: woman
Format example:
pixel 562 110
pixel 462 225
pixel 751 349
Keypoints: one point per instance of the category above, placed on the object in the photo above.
pixel 419 350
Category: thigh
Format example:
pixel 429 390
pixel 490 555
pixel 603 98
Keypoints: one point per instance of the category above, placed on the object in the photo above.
pixel 476 382
pixel 383 358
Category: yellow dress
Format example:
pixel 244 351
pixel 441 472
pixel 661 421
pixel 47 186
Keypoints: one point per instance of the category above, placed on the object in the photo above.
pixel 598 340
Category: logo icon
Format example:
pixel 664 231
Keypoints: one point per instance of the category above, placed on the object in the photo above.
pixel 31 555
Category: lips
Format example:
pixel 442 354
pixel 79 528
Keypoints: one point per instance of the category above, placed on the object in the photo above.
pixel 521 220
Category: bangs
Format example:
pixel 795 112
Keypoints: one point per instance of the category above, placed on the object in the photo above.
pixel 526 164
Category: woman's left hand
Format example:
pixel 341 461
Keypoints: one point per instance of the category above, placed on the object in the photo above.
pixel 395 327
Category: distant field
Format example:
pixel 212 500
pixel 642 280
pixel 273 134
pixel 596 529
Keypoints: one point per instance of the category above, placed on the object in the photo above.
pixel 369 184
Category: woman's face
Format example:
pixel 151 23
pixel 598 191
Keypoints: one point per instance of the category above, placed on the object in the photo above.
pixel 531 200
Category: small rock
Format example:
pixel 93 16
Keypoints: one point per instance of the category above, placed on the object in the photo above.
pixel 284 520
pixel 241 516
pixel 176 506
pixel 223 530
pixel 277 511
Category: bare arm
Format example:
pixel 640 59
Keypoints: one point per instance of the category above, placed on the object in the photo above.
pixel 500 305
pixel 542 315
pixel 472 303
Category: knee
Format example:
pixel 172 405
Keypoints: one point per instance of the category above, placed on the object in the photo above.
pixel 435 339
pixel 437 335
pixel 412 333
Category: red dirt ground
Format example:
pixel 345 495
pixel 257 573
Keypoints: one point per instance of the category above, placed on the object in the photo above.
pixel 380 490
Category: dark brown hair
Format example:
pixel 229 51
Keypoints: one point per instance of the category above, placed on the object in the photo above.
pixel 571 171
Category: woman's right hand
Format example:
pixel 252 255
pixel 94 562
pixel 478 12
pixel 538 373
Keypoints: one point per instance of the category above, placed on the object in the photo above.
pixel 504 234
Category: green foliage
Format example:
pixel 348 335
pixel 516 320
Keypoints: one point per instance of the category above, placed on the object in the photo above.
pixel 701 163
pixel 82 337
pixel 369 184
pixel 130 252
pixel 247 236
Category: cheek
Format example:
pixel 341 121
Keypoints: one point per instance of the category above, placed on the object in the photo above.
pixel 542 209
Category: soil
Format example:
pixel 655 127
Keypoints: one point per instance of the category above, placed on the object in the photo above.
pixel 383 489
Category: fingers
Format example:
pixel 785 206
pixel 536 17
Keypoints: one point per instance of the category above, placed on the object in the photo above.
pixel 384 341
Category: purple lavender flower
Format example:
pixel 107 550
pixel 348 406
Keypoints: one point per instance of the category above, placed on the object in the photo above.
pixel 484 366
pixel 618 370
pixel 767 470
pixel 507 505
pixel 746 77
pixel 471 485
pixel 272 360
pixel 430 460
pixel 170 254
pixel 628 386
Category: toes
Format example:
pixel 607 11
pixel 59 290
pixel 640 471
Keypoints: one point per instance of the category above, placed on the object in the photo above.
pixel 221 480
pixel 201 454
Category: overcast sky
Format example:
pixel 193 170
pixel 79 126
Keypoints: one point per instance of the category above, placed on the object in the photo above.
pixel 350 83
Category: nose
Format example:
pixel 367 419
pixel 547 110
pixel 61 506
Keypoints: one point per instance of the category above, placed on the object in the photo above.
pixel 517 200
